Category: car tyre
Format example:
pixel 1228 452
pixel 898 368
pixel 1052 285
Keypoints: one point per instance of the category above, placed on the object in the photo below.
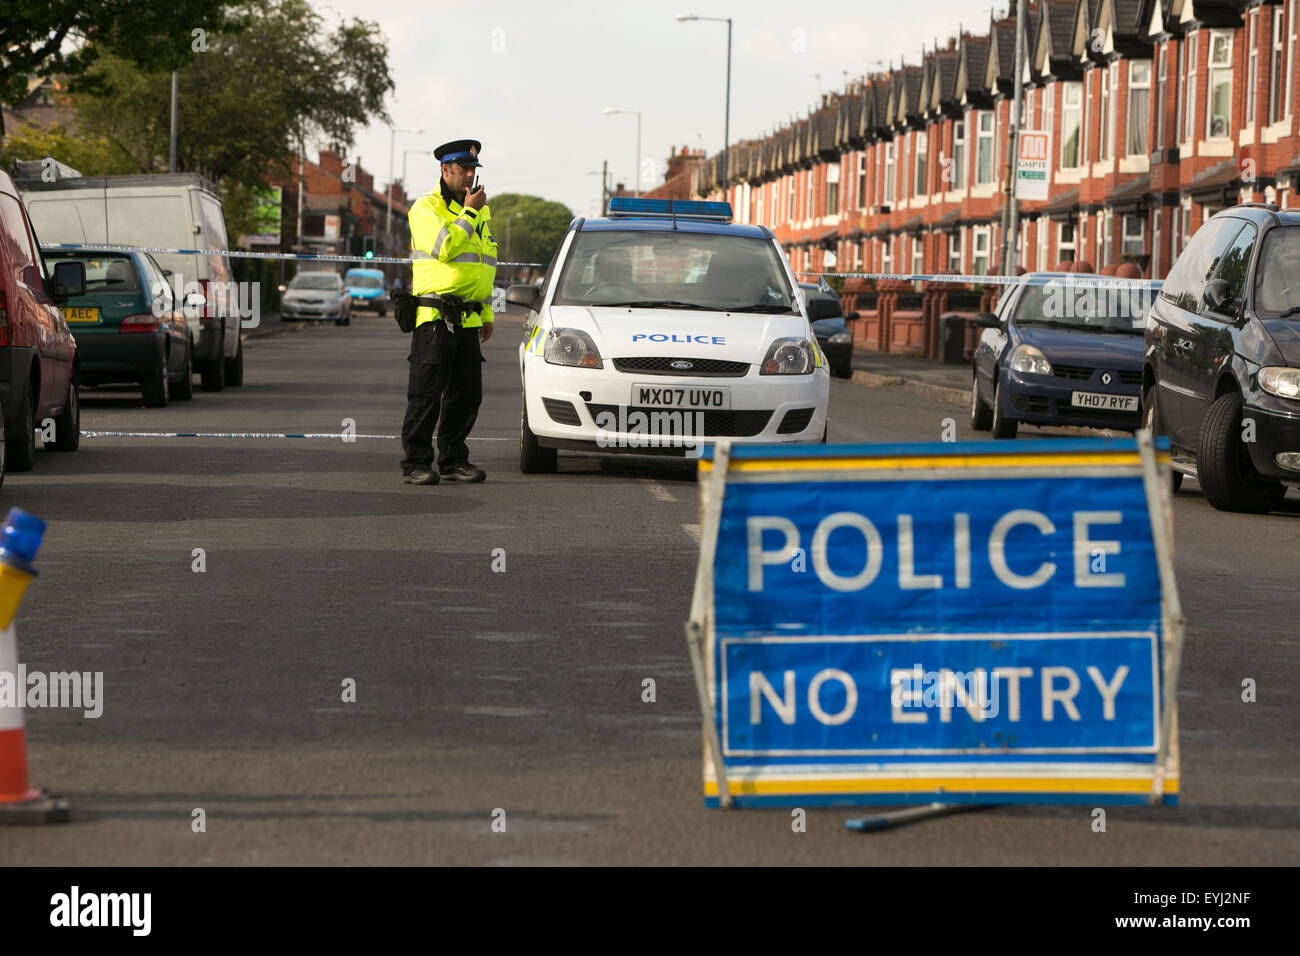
pixel 1001 426
pixel 156 389
pixel 213 376
pixel 67 427
pixel 20 449
pixel 1149 420
pixel 183 389
pixel 1223 464
pixel 533 458
pixel 382 312
pixel 981 416
pixel 235 366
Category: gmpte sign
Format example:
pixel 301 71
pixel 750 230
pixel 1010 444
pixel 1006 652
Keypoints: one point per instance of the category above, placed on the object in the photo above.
pixel 975 622
pixel 221 300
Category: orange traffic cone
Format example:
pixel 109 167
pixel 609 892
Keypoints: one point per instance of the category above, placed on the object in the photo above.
pixel 19 803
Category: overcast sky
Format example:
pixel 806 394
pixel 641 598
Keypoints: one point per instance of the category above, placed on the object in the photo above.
pixel 530 79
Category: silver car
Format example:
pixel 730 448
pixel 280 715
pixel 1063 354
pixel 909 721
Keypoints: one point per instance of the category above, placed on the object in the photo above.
pixel 316 296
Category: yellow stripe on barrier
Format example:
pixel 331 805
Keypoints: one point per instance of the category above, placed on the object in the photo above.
pixel 774 787
pixel 934 461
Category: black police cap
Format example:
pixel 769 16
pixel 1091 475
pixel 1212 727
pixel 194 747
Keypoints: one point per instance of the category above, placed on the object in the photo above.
pixel 462 151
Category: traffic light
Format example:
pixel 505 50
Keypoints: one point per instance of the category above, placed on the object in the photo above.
pixel 368 244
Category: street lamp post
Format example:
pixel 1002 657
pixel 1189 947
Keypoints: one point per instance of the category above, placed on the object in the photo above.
pixel 726 121
pixel 410 152
pixel 392 144
pixel 610 111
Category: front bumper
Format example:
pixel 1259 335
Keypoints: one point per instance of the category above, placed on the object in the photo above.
pixel 300 312
pixel 595 410
pixel 376 302
pixel 1277 430
pixel 1046 400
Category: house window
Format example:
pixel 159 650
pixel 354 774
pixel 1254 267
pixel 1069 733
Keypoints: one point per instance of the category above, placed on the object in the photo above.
pixel 1106 128
pixel 758 206
pixel 958 154
pixel 833 189
pixel 918 153
pixel 1189 89
pixel 1275 69
pixel 1180 91
pixel 889 174
pixel 1252 63
pixel 1099 258
pixel 886 260
pixel 1155 243
pixel 1133 239
pixel 862 180
pixel 954 251
pixel 1071 98
pixel 1162 76
pixel 980 255
pixel 1049 94
pixel 1065 242
pixel 984 149
pixel 790 204
pixel 1218 95
pixel 809 178
pixel 1290 60
pixel 1139 106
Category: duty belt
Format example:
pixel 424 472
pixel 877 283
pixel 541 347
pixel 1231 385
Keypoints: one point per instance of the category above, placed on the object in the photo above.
pixel 452 308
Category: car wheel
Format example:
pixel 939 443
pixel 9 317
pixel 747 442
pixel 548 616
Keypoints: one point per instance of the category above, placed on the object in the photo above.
pixel 183 387
pixel 20 448
pixel 1002 426
pixel 981 416
pixel 67 427
pixel 339 322
pixel 156 388
pixel 382 312
pixel 533 458
pixel 235 366
pixel 1223 464
pixel 1150 418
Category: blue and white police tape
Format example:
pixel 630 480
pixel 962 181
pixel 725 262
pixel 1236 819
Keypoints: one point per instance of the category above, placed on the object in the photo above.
pixel 336 436
pixel 239 254
pixel 1055 278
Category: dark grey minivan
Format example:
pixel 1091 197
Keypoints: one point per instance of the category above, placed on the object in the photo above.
pixel 1221 368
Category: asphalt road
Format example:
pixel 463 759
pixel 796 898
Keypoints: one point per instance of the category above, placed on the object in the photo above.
pixel 479 692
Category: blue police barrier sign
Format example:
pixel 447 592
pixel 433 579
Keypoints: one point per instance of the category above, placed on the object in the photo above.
pixel 978 622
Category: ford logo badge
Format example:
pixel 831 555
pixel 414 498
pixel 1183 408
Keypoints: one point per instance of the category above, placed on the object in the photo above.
pixel 683 365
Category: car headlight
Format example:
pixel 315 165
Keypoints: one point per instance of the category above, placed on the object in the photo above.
pixel 840 338
pixel 572 347
pixel 1028 359
pixel 789 357
pixel 1280 381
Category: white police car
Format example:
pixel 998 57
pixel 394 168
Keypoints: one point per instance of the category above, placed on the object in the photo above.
pixel 662 328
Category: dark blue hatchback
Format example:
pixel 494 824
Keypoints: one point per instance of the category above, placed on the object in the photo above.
pixel 1063 349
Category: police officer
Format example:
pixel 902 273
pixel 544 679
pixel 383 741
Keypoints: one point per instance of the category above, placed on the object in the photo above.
pixel 454 258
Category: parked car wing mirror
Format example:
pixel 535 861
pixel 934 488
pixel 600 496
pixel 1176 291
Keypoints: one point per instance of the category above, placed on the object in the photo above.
pixel 527 296
pixel 69 281
pixel 987 320
pixel 819 308
pixel 1218 295
pixel 853 315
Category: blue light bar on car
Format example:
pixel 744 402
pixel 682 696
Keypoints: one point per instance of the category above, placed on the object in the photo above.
pixel 635 207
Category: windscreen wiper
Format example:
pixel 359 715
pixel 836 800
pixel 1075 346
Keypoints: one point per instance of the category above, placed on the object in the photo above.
pixel 650 304
pixel 766 308
pixel 1291 311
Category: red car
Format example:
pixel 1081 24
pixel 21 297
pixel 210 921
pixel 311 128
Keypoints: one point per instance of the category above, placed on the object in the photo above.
pixel 38 356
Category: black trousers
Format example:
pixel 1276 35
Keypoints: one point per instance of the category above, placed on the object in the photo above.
pixel 446 379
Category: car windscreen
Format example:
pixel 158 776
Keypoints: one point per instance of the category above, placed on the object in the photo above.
pixel 104 273
pixel 319 280
pixel 1095 305
pixel 1277 275
pixel 364 282
pixel 675 270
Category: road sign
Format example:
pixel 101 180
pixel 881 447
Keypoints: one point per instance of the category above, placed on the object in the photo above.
pixel 979 622
pixel 1032 164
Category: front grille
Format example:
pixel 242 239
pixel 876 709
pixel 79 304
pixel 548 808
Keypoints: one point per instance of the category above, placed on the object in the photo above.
pixel 700 367
pixel 1072 371
pixel 736 424
pixel 561 412
pixel 1131 378
pixel 795 420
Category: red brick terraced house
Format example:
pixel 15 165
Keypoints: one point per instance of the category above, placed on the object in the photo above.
pixel 1161 112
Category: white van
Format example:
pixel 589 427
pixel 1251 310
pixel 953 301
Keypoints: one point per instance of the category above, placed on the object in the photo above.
pixel 159 211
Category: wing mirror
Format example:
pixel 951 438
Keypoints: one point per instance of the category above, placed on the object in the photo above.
pixel 527 296
pixel 820 308
pixel 69 281
pixel 987 320
pixel 1218 295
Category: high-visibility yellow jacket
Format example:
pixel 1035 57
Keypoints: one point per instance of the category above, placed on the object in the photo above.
pixel 453 253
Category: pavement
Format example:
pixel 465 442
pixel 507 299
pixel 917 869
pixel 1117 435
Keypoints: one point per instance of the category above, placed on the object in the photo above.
pixel 349 679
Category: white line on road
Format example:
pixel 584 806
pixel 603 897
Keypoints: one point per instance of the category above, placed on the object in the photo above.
pixel 693 530
pixel 659 491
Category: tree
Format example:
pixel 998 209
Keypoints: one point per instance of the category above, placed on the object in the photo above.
pixel 247 100
pixel 66 37
pixel 88 156
pixel 533 236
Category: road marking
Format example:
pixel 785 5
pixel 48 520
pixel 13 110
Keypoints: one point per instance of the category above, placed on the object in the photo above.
pixel 334 435
pixel 659 491
pixel 693 530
